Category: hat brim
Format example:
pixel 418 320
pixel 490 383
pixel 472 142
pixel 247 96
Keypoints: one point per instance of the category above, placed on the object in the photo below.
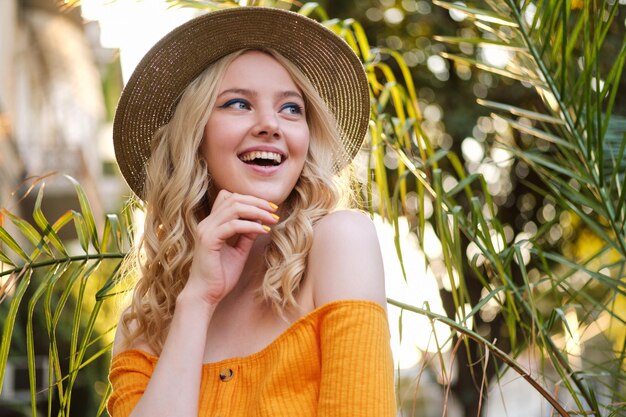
pixel 151 94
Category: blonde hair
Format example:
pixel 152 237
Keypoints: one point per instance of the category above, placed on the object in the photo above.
pixel 178 197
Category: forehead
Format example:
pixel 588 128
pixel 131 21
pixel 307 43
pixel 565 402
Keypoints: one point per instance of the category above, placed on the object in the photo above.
pixel 257 67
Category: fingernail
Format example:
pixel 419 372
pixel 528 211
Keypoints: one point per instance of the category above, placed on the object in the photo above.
pixel 272 205
pixel 266 228
pixel 275 216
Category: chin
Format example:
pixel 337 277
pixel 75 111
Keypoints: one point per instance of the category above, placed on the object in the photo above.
pixel 273 197
pixel 269 193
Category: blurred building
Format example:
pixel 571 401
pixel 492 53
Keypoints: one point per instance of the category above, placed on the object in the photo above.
pixel 11 166
pixel 52 109
pixel 53 120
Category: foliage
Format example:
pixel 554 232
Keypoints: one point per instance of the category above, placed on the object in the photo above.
pixel 551 296
pixel 65 290
pixel 572 55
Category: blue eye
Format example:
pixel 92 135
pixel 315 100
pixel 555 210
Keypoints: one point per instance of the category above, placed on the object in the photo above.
pixel 236 103
pixel 293 108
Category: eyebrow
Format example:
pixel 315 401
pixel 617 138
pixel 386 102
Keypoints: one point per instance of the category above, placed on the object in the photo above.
pixel 251 93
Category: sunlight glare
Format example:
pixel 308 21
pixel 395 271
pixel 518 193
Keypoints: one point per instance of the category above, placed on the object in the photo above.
pixel 458 15
pixel 572 338
pixel 529 13
pixel 462 316
pixel 475 254
pixel 432 244
pixel 502 158
pixel 496 56
pixel 393 16
pixel 139 220
pixel 472 150
pixel 119 28
pixel 524 245
pixel 597 84
pixel 419 289
pixel 6 287
pixel 447 282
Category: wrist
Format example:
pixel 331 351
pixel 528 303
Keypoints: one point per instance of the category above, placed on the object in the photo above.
pixel 189 299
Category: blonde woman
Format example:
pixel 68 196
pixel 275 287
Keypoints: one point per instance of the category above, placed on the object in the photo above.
pixel 259 294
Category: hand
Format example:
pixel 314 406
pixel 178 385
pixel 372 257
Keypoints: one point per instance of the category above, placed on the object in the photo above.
pixel 224 240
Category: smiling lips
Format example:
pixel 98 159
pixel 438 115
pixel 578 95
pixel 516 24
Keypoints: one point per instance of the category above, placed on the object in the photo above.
pixel 263 158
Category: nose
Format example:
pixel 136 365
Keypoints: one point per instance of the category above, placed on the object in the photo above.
pixel 267 124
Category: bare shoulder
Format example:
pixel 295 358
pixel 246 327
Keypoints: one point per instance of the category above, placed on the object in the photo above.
pixel 121 342
pixel 345 260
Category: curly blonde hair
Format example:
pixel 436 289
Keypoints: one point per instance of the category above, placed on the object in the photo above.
pixel 178 196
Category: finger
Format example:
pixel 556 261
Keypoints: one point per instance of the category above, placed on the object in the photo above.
pixel 238 210
pixel 245 242
pixel 222 196
pixel 225 198
pixel 232 228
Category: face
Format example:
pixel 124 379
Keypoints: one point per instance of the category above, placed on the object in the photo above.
pixel 257 138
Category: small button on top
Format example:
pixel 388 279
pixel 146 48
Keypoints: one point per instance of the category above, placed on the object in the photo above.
pixel 226 374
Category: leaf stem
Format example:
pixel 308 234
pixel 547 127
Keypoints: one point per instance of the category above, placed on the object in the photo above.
pixel 492 348
pixel 77 258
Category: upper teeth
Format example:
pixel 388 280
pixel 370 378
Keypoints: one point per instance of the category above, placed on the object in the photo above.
pixel 249 156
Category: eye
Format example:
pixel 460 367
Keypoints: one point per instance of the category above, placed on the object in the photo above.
pixel 237 104
pixel 292 108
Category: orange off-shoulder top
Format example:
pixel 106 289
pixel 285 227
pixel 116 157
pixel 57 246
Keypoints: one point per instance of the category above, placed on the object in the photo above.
pixel 334 362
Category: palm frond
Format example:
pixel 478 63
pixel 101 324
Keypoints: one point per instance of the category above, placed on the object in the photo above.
pixel 560 51
pixel 57 282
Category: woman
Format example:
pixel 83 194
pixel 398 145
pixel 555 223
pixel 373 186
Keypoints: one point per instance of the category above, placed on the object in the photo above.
pixel 258 295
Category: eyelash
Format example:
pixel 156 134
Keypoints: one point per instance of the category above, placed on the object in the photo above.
pixel 229 103
pixel 298 108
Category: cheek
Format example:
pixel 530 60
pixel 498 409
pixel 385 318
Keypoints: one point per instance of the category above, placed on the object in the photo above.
pixel 210 153
pixel 301 145
pixel 207 151
pixel 205 146
pixel 215 142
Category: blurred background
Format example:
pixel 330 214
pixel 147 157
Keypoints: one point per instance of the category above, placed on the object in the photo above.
pixel 64 64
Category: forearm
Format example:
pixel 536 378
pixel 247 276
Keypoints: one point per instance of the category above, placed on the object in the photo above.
pixel 174 387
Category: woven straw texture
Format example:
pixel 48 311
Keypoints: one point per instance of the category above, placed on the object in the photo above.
pixel 151 94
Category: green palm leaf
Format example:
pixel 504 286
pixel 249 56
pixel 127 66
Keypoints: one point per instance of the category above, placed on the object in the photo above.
pixel 56 284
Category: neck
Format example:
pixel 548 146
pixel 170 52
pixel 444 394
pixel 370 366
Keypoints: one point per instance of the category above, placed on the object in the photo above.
pixel 254 270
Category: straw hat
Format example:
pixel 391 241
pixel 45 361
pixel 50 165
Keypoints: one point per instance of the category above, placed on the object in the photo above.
pixel 150 96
